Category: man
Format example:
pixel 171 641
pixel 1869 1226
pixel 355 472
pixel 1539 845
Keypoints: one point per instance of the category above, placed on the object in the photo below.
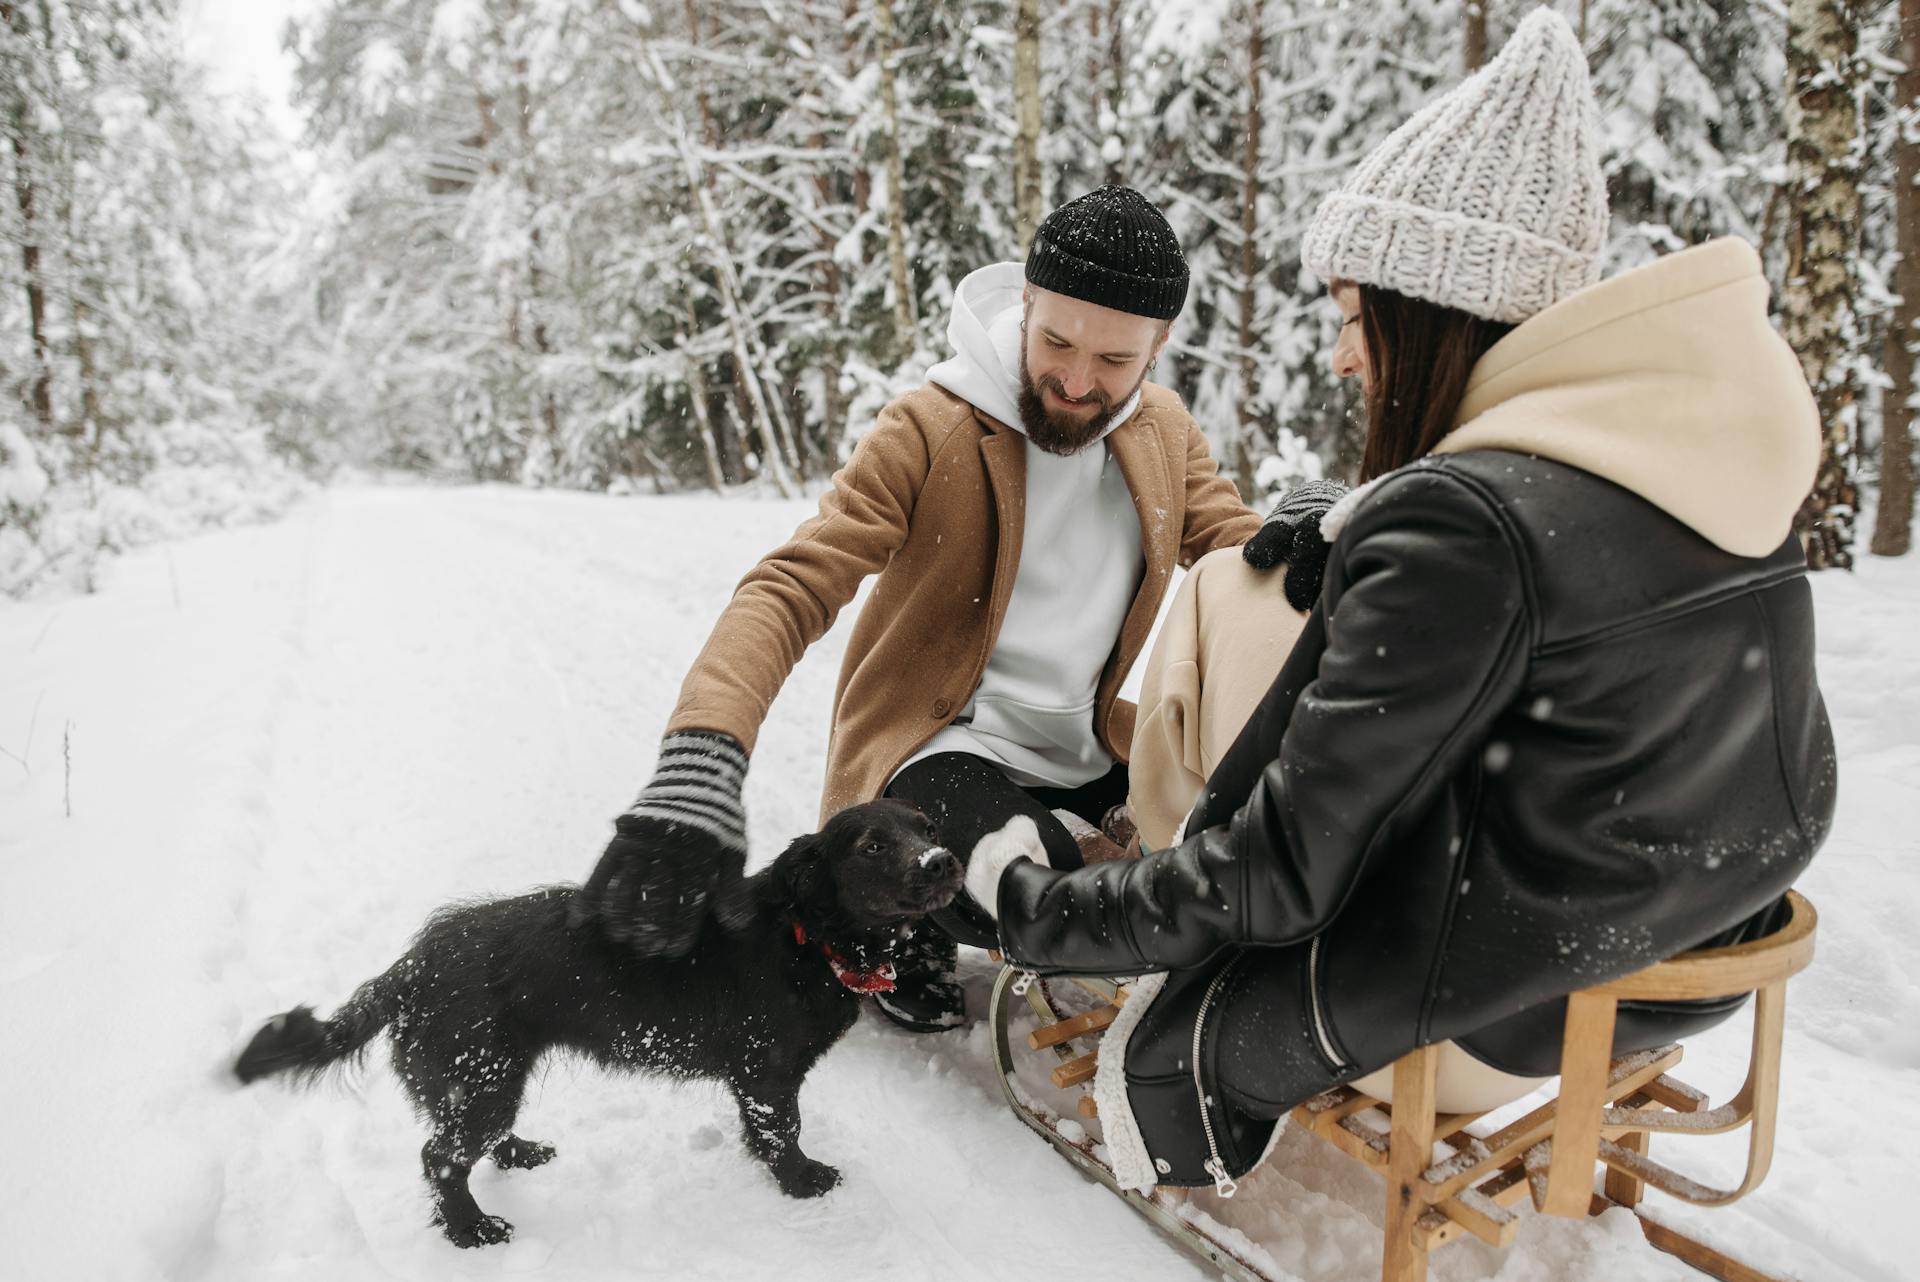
pixel 1024 509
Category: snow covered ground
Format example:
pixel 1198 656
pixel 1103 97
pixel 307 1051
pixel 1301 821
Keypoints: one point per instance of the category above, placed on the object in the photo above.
pixel 239 777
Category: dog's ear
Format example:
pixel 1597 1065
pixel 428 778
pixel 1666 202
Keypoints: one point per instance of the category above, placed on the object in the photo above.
pixel 800 874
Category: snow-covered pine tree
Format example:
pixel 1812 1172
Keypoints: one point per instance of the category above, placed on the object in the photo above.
pixel 1691 140
pixel 137 218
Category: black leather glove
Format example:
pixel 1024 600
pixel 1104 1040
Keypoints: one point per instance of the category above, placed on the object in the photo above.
pixel 1292 534
pixel 676 851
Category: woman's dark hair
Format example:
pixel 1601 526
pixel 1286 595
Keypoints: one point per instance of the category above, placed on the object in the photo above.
pixel 1419 355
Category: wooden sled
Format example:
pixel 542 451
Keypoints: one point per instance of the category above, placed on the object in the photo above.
pixel 1604 1115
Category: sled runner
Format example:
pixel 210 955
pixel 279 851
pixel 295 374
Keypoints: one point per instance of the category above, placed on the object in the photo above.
pixel 1605 1113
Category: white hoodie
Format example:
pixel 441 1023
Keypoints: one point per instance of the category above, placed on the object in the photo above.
pixel 1080 566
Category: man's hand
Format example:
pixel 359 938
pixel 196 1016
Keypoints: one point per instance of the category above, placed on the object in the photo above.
pixel 682 843
pixel 1292 535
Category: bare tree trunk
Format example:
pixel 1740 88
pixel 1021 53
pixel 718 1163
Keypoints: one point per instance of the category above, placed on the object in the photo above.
pixel 1117 83
pixel 896 186
pixel 1026 116
pixel 1474 47
pixel 862 180
pixel 1816 308
pixel 702 415
pixel 40 390
pixel 529 185
pixel 1243 462
pixel 818 449
pixel 1893 521
pixel 489 144
pixel 88 427
pixel 708 129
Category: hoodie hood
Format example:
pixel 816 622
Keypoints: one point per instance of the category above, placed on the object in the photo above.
pixel 1669 381
pixel 984 329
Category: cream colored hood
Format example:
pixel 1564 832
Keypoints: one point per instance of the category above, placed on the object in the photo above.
pixel 1667 380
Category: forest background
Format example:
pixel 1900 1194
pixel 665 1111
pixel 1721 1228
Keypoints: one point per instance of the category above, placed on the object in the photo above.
pixel 678 244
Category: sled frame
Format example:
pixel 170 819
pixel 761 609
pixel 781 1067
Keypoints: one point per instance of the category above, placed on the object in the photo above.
pixel 1605 1114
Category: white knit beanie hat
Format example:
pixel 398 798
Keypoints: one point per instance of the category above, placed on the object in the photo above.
pixel 1490 199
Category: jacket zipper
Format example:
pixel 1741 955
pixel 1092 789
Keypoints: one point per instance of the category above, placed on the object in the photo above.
pixel 1223 1184
pixel 1314 1008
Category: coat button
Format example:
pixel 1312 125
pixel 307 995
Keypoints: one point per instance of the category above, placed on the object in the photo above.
pixel 941 707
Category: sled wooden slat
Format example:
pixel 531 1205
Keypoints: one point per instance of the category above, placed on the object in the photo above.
pixel 1068 1029
pixel 1678 1096
pixel 1604 1115
pixel 1629 1073
pixel 1076 1071
pixel 1341 1103
pixel 1447 1125
pixel 1483 1211
pixel 1454 1219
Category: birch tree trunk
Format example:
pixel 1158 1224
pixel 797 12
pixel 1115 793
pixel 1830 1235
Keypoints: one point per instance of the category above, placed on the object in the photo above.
pixel 1816 307
pixel 896 186
pixel 1026 116
pixel 1243 464
pixel 1893 521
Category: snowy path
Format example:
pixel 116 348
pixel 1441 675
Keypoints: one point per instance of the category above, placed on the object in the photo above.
pixel 289 743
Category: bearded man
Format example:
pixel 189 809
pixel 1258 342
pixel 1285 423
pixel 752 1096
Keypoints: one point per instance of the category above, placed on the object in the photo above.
pixel 1024 509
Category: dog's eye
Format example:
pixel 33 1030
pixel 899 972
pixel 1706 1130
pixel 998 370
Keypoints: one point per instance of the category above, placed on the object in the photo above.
pixel 874 847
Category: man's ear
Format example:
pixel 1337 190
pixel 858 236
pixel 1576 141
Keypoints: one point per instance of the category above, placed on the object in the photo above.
pixel 1166 332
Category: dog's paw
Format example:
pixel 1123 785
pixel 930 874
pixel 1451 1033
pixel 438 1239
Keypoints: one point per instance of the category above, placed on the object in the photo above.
pixel 516 1154
pixel 808 1178
pixel 488 1230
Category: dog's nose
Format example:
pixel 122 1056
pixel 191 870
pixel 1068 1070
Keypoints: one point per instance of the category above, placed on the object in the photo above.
pixel 941 864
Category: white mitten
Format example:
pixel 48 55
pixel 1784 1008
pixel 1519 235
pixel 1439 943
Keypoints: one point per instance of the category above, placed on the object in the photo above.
pixel 994 853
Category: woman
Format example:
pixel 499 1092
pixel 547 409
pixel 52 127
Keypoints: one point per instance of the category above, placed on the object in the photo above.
pixel 1555 716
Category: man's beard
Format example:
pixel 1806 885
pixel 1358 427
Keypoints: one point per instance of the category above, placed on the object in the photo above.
pixel 1062 433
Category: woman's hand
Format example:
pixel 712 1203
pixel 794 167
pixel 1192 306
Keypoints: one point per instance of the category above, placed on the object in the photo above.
pixel 994 853
pixel 1292 535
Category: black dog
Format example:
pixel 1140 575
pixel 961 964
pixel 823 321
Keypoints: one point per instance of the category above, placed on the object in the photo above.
pixel 487 989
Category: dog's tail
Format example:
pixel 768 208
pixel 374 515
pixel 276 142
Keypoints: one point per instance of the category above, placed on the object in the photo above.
pixel 295 1042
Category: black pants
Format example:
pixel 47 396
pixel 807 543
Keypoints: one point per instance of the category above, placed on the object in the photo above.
pixel 967 797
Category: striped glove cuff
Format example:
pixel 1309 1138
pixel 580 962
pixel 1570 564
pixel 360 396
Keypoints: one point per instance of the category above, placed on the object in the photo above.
pixel 697 782
pixel 1307 502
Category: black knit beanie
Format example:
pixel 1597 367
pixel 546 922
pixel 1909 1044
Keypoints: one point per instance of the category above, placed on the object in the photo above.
pixel 1113 248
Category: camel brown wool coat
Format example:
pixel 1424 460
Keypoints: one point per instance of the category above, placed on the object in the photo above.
pixel 932 501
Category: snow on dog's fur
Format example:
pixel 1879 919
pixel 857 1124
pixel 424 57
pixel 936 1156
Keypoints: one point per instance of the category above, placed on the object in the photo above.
pixel 486 989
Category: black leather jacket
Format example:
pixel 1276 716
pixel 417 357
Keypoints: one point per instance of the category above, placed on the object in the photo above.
pixel 1537 735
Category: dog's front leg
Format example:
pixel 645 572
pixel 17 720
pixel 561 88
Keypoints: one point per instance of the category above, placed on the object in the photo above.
pixel 770 1116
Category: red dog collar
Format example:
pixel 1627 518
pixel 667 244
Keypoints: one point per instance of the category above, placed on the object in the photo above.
pixel 879 980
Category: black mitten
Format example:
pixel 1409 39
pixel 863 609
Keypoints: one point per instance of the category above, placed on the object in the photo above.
pixel 1292 535
pixel 681 844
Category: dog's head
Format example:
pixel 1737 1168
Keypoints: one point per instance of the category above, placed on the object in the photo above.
pixel 873 867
